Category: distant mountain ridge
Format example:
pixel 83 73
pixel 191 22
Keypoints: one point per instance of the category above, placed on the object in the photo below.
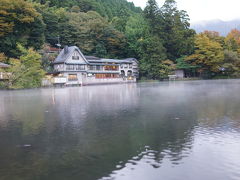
pixel 223 27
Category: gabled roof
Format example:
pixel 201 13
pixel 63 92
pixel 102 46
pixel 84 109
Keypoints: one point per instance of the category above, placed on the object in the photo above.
pixel 2 65
pixel 66 53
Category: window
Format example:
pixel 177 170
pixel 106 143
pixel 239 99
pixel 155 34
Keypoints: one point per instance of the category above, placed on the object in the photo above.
pixel 72 77
pixel 122 73
pixel 129 73
pixel 130 66
pixel 111 68
pixel 92 68
pixel 122 66
pixel 75 56
pixel 57 67
pixel 106 76
pixel 99 68
pixel 70 67
pixel 80 67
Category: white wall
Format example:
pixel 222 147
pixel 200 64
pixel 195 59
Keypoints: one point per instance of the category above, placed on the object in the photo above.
pixel 179 73
pixel 93 80
pixel 125 68
pixel 83 79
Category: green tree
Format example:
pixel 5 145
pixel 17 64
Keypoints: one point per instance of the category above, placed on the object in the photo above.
pixel 26 72
pixel 115 42
pixel 84 30
pixel 88 5
pixel 189 69
pixel 100 50
pixel 231 64
pixel 154 17
pixel 137 29
pixel 177 35
pixel 152 59
pixel 119 23
pixel 3 58
pixel 172 27
pixel 183 64
pixel 90 31
pixel 55 19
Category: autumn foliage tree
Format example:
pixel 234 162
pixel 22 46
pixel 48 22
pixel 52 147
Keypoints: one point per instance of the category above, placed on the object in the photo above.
pixel 231 63
pixel 215 36
pixel 19 23
pixel 233 40
pixel 208 54
pixel 15 13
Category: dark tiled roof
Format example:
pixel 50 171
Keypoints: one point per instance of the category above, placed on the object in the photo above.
pixel 66 52
pixel 92 58
pixel 131 59
pixel 63 55
pixel 128 60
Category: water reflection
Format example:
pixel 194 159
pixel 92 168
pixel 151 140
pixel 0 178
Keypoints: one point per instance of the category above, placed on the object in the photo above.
pixel 131 131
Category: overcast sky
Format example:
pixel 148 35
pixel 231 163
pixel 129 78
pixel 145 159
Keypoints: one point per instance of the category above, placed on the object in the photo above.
pixel 199 10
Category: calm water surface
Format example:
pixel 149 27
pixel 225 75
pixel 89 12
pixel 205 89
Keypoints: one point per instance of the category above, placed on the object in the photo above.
pixel 146 131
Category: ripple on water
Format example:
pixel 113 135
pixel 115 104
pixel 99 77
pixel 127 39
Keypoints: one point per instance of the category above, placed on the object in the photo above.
pixel 214 152
pixel 167 130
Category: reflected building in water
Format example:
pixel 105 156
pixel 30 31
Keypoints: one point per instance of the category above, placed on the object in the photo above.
pixel 106 132
pixel 88 132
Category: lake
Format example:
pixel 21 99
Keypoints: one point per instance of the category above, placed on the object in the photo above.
pixel 146 131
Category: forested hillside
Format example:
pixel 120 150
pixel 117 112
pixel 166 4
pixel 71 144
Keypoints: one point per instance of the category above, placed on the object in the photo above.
pixel 105 28
pixel 159 37
pixel 106 8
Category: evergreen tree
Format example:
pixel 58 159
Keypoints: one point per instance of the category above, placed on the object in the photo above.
pixel 153 16
pixel 100 50
pixel 137 29
pixel 177 35
pixel 152 59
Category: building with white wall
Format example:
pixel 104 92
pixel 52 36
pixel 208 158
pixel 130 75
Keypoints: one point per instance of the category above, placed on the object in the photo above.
pixel 73 68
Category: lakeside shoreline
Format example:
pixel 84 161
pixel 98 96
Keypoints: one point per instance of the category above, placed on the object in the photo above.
pixel 138 82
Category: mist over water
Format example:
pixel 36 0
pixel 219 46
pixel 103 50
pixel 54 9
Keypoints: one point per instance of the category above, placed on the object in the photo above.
pixel 167 130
